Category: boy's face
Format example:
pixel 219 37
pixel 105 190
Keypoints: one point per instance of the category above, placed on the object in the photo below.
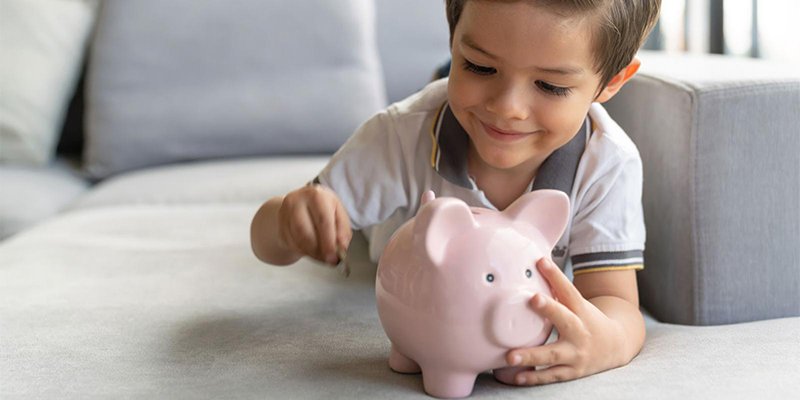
pixel 504 77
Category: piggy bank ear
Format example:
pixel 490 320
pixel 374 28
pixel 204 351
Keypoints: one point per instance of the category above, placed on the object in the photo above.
pixel 546 209
pixel 437 222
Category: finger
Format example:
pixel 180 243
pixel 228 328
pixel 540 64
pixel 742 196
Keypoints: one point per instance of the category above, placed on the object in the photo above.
pixel 343 232
pixel 559 352
pixel 565 320
pixel 304 235
pixel 563 289
pixel 289 224
pixel 284 225
pixel 285 239
pixel 322 213
pixel 556 373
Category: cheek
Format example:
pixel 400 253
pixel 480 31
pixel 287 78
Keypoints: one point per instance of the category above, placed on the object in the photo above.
pixel 463 91
pixel 562 117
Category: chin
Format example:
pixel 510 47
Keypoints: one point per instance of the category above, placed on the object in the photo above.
pixel 508 165
pixel 501 159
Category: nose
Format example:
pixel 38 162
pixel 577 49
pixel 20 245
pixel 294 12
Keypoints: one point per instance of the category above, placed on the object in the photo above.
pixel 514 323
pixel 509 103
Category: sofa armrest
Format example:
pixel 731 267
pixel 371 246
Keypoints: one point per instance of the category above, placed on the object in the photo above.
pixel 719 139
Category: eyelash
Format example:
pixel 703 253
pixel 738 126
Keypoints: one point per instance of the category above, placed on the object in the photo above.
pixel 483 71
pixel 545 87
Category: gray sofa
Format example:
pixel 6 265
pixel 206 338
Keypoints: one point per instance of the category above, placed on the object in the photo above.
pixel 134 278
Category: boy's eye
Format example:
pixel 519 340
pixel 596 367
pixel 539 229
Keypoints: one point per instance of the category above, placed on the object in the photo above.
pixel 552 90
pixel 477 69
pixel 544 86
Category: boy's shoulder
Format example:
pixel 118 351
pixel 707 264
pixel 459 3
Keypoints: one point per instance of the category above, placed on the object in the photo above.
pixel 608 140
pixel 405 122
pixel 610 156
pixel 424 102
pixel 408 122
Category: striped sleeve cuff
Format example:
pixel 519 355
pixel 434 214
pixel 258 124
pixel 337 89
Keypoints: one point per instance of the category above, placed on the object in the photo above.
pixel 607 261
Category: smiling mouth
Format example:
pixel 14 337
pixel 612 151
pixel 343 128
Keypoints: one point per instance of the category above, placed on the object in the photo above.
pixel 503 134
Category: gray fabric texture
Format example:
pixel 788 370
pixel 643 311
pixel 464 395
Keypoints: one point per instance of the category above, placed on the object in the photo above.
pixel 413 40
pixel 720 145
pixel 181 80
pixel 29 195
pixel 205 182
pixel 169 302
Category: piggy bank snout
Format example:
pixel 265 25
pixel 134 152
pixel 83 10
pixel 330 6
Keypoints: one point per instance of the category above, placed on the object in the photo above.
pixel 514 323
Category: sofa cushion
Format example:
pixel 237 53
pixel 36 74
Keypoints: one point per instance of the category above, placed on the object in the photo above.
pixel 219 181
pixel 413 40
pixel 719 141
pixel 168 301
pixel 185 80
pixel 29 195
pixel 43 43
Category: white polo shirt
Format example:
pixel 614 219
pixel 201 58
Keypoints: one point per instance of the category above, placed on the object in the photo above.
pixel 417 144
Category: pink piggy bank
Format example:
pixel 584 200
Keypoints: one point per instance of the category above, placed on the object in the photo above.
pixel 454 285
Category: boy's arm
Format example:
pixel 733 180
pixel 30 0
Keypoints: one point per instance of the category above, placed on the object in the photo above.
pixel 616 294
pixel 264 235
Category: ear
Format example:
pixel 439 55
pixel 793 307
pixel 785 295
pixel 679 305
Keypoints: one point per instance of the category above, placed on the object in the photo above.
pixel 618 80
pixel 437 222
pixel 547 210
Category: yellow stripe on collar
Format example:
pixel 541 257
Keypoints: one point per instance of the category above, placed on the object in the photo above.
pixel 433 134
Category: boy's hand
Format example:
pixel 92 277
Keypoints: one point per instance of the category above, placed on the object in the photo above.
pixel 312 221
pixel 588 341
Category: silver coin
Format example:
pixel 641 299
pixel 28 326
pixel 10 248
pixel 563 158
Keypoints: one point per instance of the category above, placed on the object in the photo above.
pixel 342 267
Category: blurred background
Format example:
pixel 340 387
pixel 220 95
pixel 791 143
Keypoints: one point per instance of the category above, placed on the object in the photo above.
pixel 748 28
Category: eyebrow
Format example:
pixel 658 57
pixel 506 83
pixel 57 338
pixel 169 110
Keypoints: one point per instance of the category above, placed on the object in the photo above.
pixel 466 40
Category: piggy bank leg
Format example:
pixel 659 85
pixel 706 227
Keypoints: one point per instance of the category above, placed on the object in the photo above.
pixel 446 384
pixel 507 374
pixel 400 363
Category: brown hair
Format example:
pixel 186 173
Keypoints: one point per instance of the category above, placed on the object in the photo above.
pixel 621 27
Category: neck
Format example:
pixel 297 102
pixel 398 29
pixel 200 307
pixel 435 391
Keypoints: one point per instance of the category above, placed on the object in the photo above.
pixel 501 185
pixel 524 172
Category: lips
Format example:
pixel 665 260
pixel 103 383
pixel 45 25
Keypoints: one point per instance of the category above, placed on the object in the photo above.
pixel 504 132
pixel 503 135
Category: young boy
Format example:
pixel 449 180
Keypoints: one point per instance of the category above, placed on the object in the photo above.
pixel 519 112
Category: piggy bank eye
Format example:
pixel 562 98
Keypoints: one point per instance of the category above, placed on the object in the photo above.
pixel 490 278
pixel 528 273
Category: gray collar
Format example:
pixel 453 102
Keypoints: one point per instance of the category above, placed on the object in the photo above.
pixel 557 171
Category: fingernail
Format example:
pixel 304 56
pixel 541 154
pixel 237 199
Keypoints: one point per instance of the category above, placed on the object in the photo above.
pixel 332 259
pixel 516 360
pixel 539 301
pixel 521 380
